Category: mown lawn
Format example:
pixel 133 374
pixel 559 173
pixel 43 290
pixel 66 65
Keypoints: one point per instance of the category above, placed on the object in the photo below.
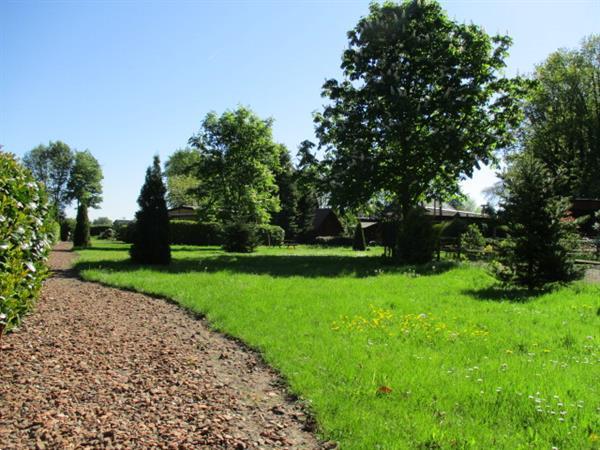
pixel 393 358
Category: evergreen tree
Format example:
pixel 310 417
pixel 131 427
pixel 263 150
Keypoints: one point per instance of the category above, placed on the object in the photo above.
pixel 151 240
pixel 359 239
pixel 308 180
pixel 540 235
pixel 287 218
pixel 81 235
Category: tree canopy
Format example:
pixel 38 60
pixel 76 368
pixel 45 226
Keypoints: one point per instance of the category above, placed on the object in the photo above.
pixel 422 102
pixel 181 180
pixel 238 162
pixel 51 164
pixel 562 127
pixel 85 180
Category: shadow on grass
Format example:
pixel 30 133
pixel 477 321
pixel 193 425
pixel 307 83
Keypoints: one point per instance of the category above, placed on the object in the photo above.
pixel 498 293
pixel 308 266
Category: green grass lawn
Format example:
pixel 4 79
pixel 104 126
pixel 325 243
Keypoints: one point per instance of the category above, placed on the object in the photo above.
pixel 392 358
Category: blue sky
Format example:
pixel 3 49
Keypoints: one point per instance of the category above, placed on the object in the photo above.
pixel 129 79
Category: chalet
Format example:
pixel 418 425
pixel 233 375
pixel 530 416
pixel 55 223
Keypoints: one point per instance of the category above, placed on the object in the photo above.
pixel 183 212
pixel 326 223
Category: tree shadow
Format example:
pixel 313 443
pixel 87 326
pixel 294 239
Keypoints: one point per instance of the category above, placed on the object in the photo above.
pixel 499 293
pixel 307 266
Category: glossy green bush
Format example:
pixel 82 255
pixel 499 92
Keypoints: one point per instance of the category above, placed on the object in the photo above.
pixel 270 234
pixel 25 238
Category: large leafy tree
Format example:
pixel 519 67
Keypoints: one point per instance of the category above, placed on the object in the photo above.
pixel 85 180
pixel 422 103
pixel 238 162
pixel 51 164
pixel 151 237
pixel 181 181
pixel 562 127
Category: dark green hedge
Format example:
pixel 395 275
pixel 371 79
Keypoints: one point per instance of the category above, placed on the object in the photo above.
pixel 25 238
pixel 97 230
pixel 187 232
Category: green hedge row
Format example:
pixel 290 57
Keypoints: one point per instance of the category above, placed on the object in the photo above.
pixel 26 234
pixel 187 232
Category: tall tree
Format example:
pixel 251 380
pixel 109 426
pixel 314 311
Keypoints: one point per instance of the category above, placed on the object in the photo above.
pixel 81 234
pixel 151 239
pixel 51 164
pixel 536 250
pixel 238 162
pixel 422 103
pixel 287 217
pixel 85 180
pixel 562 127
pixel 308 182
pixel 181 182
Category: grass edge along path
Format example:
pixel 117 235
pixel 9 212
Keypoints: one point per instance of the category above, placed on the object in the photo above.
pixel 394 358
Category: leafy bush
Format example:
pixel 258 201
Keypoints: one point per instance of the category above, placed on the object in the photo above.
pixel 359 243
pixel 107 234
pixel 67 228
pixel 25 237
pixel 416 241
pixel 472 239
pixel 333 241
pixel 126 233
pixel 81 235
pixel 240 237
pixel 187 232
pixel 270 234
pixel 54 228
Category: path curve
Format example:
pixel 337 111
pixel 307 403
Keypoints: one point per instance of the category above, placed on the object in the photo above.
pixel 99 367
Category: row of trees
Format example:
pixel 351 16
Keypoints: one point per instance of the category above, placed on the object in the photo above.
pixel 69 175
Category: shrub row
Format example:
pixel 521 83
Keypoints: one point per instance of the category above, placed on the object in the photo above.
pixel 97 230
pixel 334 241
pixel 186 232
pixel 26 233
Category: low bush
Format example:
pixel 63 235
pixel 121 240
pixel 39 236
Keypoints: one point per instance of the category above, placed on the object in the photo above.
pixel 25 238
pixel 240 237
pixel 187 232
pixel 270 234
pixel 126 232
pixel 107 234
pixel 472 239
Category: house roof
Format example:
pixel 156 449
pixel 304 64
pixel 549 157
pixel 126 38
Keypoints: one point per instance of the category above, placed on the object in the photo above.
pixel 187 207
pixel 320 216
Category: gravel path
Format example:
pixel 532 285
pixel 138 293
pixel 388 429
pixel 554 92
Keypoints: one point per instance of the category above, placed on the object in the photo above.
pixel 99 367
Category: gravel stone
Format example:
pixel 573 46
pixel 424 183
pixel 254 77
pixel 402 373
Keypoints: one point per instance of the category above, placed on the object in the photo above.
pixel 99 367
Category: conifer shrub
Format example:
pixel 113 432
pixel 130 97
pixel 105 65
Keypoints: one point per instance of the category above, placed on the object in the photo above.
pixel 271 235
pixel 187 232
pixel 240 237
pixel 472 239
pixel 416 240
pixel 540 236
pixel 125 232
pixel 81 234
pixel 25 238
pixel 359 243
pixel 151 236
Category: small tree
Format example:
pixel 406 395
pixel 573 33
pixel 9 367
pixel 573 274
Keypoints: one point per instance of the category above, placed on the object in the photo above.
pixel 151 239
pixel 240 237
pixel 359 239
pixel 81 235
pixel 540 236
pixel 416 238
